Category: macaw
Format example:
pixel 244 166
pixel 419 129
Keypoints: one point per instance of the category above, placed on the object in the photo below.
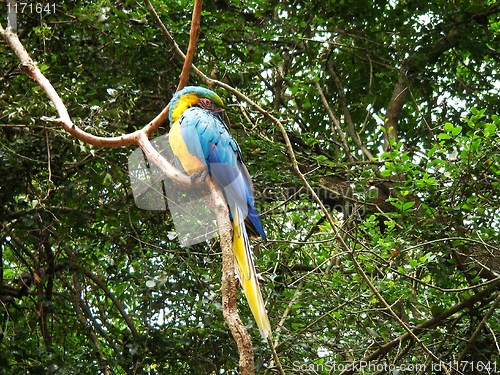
pixel 202 144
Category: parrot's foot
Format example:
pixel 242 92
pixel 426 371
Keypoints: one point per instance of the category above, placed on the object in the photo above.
pixel 199 175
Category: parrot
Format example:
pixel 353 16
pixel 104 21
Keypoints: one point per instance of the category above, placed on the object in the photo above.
pixel 202 145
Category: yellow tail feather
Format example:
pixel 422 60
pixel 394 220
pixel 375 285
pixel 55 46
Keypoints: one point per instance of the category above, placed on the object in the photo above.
pixel 248 275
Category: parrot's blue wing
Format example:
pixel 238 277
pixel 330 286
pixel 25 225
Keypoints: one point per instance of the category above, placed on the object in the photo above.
pixel 208 138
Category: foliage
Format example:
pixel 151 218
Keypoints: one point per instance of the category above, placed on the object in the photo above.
pixel 89 283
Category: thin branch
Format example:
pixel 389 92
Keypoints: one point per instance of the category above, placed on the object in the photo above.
pixel 387 347
pixel 351 129
pixel 478 329
pixel 118 304
pixel 186 59
pixel 193 41
pixel 166 34
pixel 335 121
pixel 276 358
pixel 294 298
pixel 77 304
pixel 392 312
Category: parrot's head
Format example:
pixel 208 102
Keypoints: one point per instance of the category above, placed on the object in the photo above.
pixel 191 96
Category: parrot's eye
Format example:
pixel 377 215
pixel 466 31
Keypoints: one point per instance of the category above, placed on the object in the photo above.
pixel 209 105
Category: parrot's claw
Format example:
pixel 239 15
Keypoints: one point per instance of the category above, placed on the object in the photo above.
pixel 199 175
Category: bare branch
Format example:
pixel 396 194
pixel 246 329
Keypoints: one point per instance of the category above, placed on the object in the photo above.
pixel 166 34
pixel 351 129
pixel 433 322
pixel 392 312
pixel 193 41
pixel 478 329
pixel 77 304
pixel 335 121
pixel 394 108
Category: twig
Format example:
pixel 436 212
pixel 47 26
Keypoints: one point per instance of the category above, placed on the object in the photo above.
pixel 166 34
pixel 77 305
pixel 335 121
pixel 118 304
pixel 351 129
pixel 393 313
pixel 193 41
pixel 275 355
pixel 478 329
pixel 294 298
pixel 385 348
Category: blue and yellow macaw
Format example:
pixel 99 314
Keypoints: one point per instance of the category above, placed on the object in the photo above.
pixel 202 144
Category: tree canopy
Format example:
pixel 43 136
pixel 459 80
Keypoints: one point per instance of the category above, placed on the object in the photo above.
pixel 371 131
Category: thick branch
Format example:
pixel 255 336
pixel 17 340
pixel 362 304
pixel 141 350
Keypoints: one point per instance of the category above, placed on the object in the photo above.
pixel 394 108
pixel 218 204
pixel 230 310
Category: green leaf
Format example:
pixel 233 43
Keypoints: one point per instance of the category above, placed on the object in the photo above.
pixel 489 130
pixel 407 206
pixel 448 127
pixel 456 130
pixel 413 263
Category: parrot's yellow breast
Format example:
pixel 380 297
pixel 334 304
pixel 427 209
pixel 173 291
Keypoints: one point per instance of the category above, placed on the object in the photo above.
pixel 189 162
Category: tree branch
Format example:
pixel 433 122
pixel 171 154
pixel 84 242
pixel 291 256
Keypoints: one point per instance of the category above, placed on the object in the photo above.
pixel 351 129
pixel 335 121
pixel 478 329
pixel 423 327
pixel 394 108
pixel 77 305
pixel 166 34
pixel 193 41
pixel 218 204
